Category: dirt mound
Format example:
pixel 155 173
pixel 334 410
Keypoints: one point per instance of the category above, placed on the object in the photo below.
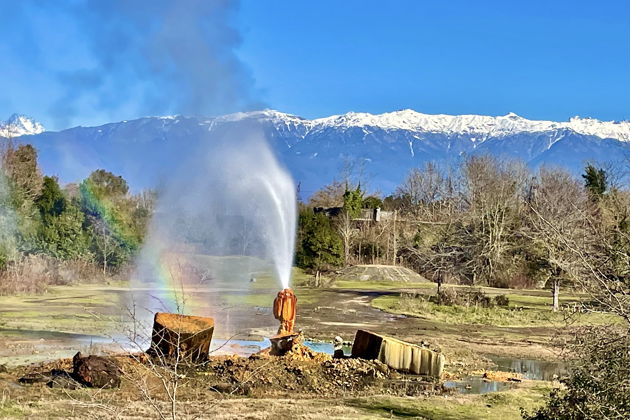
pixel 380 273
pixel 301 372
pixel 306 372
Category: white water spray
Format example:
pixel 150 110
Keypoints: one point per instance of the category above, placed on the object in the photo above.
pixel 230 198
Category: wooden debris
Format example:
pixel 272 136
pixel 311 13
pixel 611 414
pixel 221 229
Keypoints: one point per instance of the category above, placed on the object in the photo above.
pixel 181 337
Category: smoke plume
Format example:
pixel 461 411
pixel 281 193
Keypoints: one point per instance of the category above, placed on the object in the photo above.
pixel 156 57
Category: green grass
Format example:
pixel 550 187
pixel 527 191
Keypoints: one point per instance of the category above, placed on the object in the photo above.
pixel 265 299
pixel 76 309
pixel 10 409
pixel 513 316
pixel 539 302
pixel 493 406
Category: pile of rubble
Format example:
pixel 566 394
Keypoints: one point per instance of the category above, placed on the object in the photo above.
pixel 307 372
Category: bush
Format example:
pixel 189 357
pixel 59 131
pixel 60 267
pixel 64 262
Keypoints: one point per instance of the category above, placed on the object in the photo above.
pixel 30 274
pixel 598 385
pixel 446 296
pixel 35 273
pixel 502 300
pixel 471 297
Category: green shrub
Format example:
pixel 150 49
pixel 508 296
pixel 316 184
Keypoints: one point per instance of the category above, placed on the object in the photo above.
pixel 502 300
pixel 598 386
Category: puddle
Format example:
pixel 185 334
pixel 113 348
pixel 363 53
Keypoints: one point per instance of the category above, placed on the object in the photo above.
pixel 537 370
pixel 249 347
pixel 477 385
pixel 32 346
pixel 47 335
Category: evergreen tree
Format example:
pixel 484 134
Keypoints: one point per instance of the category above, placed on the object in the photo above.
pixel 372 202
pixel 60 232
pixel 109 218
pixel 51 201
pixel 595 181
pixel 319 244
pixel 353 201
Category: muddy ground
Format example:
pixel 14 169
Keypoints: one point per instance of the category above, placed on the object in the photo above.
pixel 41 328
pixel 34 329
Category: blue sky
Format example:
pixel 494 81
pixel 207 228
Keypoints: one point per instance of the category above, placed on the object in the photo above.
pixel 540 59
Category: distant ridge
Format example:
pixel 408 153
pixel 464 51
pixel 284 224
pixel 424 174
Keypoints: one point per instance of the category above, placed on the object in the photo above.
pixel 386 146
pixel 483 125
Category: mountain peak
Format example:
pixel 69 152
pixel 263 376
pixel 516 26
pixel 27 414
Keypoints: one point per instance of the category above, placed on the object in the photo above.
pixel 20 125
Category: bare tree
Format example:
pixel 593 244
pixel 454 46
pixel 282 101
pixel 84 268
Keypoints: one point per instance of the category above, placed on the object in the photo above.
pixel 558 213
pixel 330 195
pixel 104 242
pixel 586 242
pixel 347 231
pixel 493 192
pixel 423 190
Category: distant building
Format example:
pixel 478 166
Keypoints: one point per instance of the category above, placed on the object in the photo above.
pixel 366 215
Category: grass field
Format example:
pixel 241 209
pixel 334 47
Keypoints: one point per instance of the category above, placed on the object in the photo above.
pixel 523 311
pixel 493 406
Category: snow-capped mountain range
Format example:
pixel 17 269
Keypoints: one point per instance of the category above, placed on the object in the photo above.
pixel 19 125
pixel 478 125
pixel 146 149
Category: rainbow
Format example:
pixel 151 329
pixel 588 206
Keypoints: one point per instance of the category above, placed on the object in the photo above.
pixel 173 281
pixel 103 210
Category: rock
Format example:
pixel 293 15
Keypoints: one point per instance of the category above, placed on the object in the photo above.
pixel 181 336
pixel 33 378
pixel 62 379
pixel 397 354
pixel 96 371
pixel 3 369
pixel 338 348
pixel 233 389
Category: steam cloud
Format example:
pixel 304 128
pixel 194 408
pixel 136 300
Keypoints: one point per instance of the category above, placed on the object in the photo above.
pixel 230 209
pixel 227 209
pixel 157 57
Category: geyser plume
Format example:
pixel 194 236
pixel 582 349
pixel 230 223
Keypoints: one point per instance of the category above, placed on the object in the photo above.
pixel 226 215
pixel 138 58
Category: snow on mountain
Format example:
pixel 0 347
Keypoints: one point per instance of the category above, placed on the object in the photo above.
pixel 20 125
pixel 146 150
pixel 481 125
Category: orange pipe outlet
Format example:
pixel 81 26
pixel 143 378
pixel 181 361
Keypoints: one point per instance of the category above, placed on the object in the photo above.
pixel 284 306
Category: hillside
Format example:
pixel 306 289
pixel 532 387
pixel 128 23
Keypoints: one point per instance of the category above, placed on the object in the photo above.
pixel 388 144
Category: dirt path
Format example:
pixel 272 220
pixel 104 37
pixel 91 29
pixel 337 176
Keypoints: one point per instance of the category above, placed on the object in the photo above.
pixel 342 312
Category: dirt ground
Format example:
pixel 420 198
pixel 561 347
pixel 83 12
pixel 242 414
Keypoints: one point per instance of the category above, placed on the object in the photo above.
pixel 347 310
pixel 35 329
pixel 300 385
